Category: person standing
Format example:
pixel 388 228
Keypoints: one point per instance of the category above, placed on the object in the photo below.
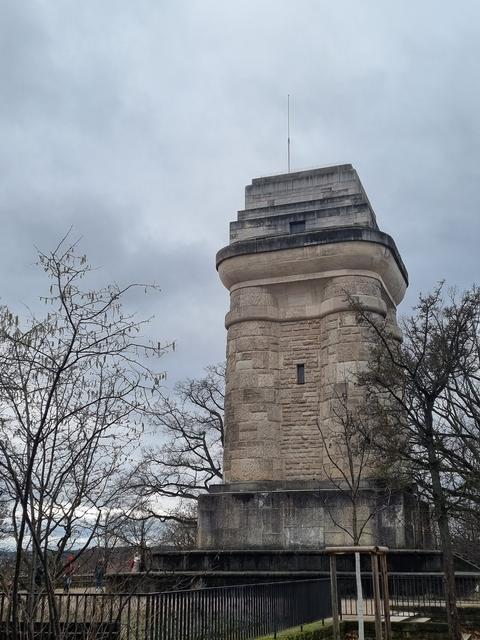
pixel 38 576
pixel 68 571
pixel 135 564
pixel 99 575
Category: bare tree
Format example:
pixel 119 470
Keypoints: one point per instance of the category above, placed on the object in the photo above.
pixel 74 391
pixel 422 401
pixel 182 532
pixel 350 461
pixel 190 458
pixel 108 533
pixel 466 535
pixel 137 527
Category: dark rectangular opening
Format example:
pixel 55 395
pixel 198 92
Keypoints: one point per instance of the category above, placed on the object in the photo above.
pixel 300 374
pixel 297 227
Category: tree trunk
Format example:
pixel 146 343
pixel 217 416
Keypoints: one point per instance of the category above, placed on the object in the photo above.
pixel 446 545
pixel 449 573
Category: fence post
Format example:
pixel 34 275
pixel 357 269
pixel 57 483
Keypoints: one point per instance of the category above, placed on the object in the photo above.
pixel 358 575
pixel 386 597
pixel 376 597
pixel 333 584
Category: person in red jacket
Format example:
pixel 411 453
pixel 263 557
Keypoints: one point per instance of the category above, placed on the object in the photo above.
pixel 135 564
pixel 68 571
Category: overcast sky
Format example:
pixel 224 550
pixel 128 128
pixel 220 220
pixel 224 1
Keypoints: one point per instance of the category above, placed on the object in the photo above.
pixel 140 122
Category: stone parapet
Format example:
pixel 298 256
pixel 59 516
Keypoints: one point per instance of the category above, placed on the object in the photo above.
pixel 327 237
pixel 292 518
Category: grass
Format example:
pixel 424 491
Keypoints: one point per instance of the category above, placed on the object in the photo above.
pixel 286 633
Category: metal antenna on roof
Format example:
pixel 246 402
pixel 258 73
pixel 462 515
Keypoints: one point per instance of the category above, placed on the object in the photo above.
pixel 288 131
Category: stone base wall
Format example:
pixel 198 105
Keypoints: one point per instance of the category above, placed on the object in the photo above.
pixel 292 517
pixel 217 567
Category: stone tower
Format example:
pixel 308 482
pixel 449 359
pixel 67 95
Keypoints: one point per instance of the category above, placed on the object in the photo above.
pixel 301 242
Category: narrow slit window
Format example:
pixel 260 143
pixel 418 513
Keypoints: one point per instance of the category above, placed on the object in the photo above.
pixel 297 227
pixel 300 374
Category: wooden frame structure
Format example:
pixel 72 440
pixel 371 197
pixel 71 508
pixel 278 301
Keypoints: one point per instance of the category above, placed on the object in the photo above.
pixel 378 557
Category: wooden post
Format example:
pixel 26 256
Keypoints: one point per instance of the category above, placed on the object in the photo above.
pixel 376 597
pixel 333 585
pixel 386 597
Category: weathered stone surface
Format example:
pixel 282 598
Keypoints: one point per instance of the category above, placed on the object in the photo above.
pixel 308 518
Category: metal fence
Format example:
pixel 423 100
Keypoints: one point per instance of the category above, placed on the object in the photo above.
pixel 222 613
pixel 219 613
pixel 409 593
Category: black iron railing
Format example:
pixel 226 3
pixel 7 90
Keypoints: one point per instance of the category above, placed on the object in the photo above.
pixel 220 613
pixel 409 593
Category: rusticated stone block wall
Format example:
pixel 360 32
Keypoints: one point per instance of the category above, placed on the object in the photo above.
pixel 273 423
pixel 300 343
pixel 252 444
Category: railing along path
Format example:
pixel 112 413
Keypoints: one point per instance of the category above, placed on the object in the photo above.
pixel 218 613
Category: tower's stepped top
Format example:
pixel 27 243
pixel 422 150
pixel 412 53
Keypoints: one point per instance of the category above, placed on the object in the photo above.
pixel 292 211
pixel 303 201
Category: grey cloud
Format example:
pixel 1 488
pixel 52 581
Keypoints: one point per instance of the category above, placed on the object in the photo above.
pixel 140 123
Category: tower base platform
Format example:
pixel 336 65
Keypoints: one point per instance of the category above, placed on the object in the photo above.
pixel 310 515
